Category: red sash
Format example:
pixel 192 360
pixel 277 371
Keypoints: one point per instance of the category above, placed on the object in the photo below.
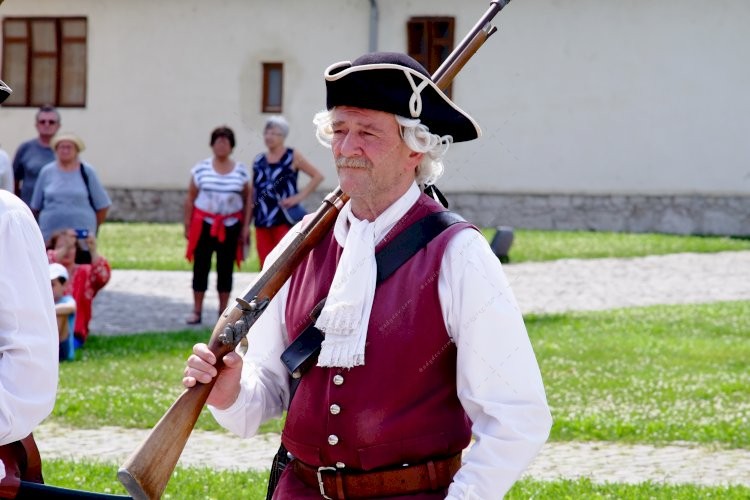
pixel 218 231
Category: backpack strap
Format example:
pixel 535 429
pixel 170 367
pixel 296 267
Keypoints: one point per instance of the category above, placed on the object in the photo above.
pixel 88 188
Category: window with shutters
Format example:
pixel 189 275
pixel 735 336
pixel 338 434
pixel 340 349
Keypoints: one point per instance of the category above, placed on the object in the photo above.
pixel 273 87
pixel 430 41
pixel 44 60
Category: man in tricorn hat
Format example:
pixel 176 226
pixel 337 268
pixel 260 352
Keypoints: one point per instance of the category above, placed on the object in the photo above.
pixel 412 364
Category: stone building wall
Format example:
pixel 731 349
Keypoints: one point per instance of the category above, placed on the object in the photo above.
pixel 693 214
pixel 684 214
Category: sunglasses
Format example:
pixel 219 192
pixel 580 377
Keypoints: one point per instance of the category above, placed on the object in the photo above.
pixel 47 122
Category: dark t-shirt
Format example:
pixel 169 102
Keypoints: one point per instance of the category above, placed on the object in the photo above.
pixel 28 162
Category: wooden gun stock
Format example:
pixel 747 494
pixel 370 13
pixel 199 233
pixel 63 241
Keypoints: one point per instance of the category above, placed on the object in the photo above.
pixel 146 472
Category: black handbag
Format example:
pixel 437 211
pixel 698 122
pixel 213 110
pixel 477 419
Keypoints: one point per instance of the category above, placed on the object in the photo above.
pixel 293 214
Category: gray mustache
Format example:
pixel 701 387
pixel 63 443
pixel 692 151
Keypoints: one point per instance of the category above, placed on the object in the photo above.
pixel 343 162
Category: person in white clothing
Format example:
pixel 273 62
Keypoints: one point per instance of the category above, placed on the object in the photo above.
pixel 28 327
pixel 6 172
pixel 412 365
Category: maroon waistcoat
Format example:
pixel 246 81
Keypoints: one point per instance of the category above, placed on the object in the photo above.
pixel 401 406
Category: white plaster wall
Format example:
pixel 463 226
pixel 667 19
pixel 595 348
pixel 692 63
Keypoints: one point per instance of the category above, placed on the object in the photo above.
pixel 163 74
pixel 597 97
pixel 576 96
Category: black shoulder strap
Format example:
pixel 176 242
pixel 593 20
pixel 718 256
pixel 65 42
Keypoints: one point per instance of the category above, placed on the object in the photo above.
pixel 433 192
pixel 410 241
pixel 303 351
pixel 88 188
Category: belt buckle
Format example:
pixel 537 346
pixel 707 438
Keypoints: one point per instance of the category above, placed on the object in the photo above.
pixel 320 481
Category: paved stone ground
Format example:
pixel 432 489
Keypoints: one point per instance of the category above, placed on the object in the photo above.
pixel 137 301
pixel 601 462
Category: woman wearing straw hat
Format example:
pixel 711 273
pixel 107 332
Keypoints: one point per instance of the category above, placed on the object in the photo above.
pixel 68 193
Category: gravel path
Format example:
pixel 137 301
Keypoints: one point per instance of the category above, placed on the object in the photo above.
pixel 601 462
pixel 136 301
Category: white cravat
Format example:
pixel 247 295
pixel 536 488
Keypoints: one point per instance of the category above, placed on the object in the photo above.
pixel 346 314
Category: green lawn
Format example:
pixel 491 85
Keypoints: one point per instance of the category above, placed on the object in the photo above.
pixel 151 246
pixel 652 375
pixel 203 484
pixel 537 246
pixel 128 381
pixel 162 246
pixel 648 375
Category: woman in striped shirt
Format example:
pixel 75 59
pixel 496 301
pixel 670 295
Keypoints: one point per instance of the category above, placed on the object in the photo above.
pixel 218 208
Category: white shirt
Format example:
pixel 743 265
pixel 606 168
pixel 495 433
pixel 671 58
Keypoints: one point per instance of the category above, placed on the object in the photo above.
pixel 220 193
pixel 6 172
pixel 28 326
pixel 498 379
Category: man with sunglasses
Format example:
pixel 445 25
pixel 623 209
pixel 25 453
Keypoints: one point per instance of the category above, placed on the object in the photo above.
pixel 35 153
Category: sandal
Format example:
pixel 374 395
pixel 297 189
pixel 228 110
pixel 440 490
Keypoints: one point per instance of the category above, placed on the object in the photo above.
pixel 194 318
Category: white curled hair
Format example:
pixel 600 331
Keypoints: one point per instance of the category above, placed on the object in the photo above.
pixel 415 135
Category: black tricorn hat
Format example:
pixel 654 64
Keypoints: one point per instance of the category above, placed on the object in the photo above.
pixel 5 91
pixel 396 83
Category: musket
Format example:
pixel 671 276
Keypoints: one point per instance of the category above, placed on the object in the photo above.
pixel 146 472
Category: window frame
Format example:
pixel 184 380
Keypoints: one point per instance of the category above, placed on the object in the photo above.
pixel 268 69
pixel 63 44
pixel 426 45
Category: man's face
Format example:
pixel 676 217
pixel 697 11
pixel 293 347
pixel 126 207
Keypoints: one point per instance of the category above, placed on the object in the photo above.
pixel 372 161
pixel 47 124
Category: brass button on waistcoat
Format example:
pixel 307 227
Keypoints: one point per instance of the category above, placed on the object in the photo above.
pixel 335 409
pixel 333 439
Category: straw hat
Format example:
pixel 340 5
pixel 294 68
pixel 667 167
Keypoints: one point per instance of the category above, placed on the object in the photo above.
pixel 67 136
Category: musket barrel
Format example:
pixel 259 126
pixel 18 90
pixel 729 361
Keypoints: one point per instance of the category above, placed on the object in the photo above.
pixel 462 53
